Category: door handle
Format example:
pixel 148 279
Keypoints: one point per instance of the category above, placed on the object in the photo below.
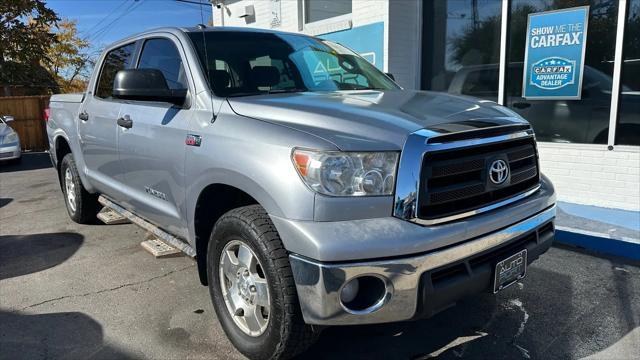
pixel 84 116
pixel 521 105
pixel 125 122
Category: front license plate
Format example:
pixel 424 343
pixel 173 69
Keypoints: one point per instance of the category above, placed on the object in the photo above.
pixel 510 270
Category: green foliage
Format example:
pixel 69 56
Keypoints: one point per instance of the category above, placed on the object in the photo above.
pixel 68 58
pixel 24 39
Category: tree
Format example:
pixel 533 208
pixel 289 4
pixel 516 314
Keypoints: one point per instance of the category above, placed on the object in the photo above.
pixel 69 61
pixel 25 37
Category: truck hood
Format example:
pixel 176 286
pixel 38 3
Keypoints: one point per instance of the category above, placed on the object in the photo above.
pixel 374 120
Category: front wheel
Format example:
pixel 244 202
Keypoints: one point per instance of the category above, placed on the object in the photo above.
pixel 82 206
pixel 252 287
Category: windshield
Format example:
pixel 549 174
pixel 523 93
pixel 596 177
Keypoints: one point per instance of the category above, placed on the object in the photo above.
pixel 251 63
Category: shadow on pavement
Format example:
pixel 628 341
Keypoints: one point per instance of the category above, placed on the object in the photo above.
pixel 30 161
pixel 26 254
pixel 68 335
pixel 5 201
pixel 548 317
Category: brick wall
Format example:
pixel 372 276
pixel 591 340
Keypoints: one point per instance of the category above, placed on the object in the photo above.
pixel 593 175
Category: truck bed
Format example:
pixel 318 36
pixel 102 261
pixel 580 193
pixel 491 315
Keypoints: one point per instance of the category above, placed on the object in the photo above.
pixel 67 98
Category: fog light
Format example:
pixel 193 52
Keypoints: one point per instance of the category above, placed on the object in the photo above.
pixel 350 291
pixel 365 294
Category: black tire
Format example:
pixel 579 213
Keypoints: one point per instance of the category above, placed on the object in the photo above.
pixel 86 204
pixel 286 334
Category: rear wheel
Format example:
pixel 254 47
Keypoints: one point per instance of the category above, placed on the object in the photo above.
pixel 82 206
pixel 252 287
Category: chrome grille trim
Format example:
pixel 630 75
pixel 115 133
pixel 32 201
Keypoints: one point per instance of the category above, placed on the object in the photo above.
pixel 416 146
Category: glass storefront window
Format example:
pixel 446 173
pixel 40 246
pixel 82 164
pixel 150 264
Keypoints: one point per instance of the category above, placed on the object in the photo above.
pixel 462 47
pixel 316 10
pixel 628 127
pixel 573 121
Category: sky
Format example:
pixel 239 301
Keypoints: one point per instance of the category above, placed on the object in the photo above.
pixel 105 21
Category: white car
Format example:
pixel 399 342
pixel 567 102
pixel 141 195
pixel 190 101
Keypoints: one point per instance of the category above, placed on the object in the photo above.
pixel 9 141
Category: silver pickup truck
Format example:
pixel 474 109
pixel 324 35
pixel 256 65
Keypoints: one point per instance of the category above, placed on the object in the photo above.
pixel 311 189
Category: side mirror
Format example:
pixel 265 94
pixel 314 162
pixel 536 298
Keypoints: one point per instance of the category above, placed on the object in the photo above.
pixel 390 75
pixel 146 85
pixel 8 118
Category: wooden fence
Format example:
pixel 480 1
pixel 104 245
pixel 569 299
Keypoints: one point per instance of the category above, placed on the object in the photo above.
pixel 28 112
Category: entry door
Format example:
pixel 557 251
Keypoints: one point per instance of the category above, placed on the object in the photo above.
pixel 97 126
pixel 152 150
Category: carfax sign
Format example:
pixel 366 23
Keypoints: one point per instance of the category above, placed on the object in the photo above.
pixel 554 57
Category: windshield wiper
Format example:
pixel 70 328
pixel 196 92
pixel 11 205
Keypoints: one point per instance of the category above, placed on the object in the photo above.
pixel 289 90
pixel 265 92
pixel 370 88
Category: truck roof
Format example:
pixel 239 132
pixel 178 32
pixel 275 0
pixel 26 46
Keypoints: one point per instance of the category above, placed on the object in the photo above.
pixel 174 29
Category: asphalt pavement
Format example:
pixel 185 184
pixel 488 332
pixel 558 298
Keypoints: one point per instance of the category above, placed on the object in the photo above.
pixel 75 291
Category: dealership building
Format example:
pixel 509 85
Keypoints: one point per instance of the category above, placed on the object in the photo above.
pixel 589 142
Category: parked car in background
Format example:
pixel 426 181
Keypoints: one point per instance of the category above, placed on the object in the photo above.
pixel 311 189
pixel 9 141
pixel 585 121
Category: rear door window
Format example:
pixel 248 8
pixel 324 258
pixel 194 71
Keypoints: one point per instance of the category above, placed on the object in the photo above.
pixel 162 54
pixel 116 60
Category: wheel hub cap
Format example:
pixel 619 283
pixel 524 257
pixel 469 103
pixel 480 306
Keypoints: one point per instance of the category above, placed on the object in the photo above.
pixel 244 288
pixel 70 188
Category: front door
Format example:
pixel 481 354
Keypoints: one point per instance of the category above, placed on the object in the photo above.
pixel 97 128
pixel 152 150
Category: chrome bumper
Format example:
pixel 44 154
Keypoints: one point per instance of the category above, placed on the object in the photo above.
pixel 319 284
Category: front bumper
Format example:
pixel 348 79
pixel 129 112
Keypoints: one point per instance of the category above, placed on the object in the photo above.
pixel 417 285
pixel 10 151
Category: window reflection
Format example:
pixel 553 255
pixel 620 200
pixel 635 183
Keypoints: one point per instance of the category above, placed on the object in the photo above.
pixel 628 127
pixel 580 121
pixel 316 10
pixel 462 47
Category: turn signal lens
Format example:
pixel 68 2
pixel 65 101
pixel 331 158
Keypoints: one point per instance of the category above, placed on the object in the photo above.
pixel 301 161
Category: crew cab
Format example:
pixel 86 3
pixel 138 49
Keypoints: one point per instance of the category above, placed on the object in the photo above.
pixel 309 196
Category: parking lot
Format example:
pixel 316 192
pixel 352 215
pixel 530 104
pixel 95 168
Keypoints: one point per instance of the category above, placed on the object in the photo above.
pixel 75 291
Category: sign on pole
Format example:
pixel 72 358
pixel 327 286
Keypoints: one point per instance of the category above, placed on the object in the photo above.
pixel 554 55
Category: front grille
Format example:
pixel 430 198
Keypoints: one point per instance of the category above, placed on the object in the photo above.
pixel 456 180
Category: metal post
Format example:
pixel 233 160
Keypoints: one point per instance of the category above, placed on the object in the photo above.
pixel 502 76
pixel 617 69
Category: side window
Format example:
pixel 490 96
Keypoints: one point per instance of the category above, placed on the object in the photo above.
pixel 116 60
pixel 162 54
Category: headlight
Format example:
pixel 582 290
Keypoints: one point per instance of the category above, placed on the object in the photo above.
pixel 10 138
pixel 347 173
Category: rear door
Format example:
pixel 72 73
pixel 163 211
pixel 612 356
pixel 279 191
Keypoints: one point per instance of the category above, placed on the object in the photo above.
pixel 97 126
pixel 152 151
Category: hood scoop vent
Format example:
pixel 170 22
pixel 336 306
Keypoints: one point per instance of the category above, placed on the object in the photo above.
pixel 476 133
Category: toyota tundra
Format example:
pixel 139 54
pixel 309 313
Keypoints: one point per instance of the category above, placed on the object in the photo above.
pixel 309 187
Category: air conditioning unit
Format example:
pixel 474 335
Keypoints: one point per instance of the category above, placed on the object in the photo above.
pixel 249 11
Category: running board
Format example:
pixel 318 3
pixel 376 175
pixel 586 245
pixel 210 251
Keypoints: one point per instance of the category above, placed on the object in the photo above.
pixel 161 234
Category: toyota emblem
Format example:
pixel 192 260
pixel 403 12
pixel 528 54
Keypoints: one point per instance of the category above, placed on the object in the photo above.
pixel 499 172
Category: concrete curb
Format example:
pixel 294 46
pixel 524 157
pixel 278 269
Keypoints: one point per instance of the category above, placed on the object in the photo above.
pixel 603 243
